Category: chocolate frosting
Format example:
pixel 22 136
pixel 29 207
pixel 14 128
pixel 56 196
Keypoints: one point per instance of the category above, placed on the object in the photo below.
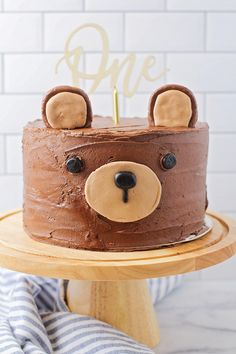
pixel 55 208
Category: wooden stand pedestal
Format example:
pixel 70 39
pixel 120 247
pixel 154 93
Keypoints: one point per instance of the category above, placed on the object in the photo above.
pixel 125 304
pixel 110 286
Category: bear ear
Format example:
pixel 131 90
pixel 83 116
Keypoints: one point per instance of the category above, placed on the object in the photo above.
pixel 66 107
pixel 172 106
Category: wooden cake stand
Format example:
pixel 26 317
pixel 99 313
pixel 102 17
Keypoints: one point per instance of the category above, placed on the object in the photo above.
pixel 111 286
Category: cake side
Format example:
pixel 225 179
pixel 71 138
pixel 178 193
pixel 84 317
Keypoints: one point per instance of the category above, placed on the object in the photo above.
pixel 55 206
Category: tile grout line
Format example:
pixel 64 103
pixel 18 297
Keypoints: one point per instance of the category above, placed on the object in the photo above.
pixel 124 32
pixel 204 107
pixel 227 211
pixel 6 134
pixel 205 49
pixel 10 174
pixel 3 74
pixel 4 154
pixel 40 93
pixel 42 32
pixel 165 6
pixel 165 67
pixel 212 172
pixel 139 52
pixel 205 31
pixel 83 81
pixel 98 12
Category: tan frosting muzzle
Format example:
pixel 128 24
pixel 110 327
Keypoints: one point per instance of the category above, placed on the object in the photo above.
pixel 123 191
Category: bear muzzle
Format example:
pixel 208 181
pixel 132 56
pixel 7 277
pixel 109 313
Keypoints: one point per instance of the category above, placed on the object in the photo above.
pixel 123 191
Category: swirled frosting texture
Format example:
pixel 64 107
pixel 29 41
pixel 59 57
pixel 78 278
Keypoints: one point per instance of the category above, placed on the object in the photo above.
pixel 55 208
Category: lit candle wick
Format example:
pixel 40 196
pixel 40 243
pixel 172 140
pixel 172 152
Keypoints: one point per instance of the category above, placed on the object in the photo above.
pixel 116 116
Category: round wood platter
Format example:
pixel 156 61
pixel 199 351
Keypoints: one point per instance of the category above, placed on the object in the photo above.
pixel 21 253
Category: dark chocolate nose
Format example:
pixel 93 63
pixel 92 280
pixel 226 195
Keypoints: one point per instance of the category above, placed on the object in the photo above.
pixel 125 180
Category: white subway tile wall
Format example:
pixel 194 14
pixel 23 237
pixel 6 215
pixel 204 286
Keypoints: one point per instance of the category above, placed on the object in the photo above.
pixel 11 189
pixel 43 5
pixel 220 153
pixel 18 110
pixel 20 32
pixel 32 73
pixel 220 112
pixel 58 26
pixel 220 29
pixel 193 39
pixel 164 32
pixel 13 155
pixel 201 5
pixel 203 72
pixel 124 5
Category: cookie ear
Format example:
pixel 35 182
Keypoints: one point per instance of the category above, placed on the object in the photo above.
pixel 172 106
pixel 66 107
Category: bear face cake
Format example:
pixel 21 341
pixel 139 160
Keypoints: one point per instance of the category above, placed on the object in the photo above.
pixel 90 184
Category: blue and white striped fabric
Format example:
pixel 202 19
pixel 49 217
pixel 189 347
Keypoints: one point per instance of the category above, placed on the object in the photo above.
pixel 34 319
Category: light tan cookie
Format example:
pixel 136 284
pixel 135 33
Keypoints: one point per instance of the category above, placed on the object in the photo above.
pixel 66 107
pixel 66 110
pixel 171 106
pixel 172 109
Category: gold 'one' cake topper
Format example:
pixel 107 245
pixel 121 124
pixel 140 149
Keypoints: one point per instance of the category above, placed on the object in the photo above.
pixel 73 56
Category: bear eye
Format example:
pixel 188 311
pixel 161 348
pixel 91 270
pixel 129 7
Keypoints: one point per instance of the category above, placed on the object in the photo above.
pixel 74 164
pixel 168 161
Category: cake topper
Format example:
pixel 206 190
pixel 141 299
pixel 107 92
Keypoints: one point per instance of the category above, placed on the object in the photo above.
pixel 73 58
pixel 66 107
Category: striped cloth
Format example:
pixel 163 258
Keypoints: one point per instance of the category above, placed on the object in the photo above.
pixel 34 319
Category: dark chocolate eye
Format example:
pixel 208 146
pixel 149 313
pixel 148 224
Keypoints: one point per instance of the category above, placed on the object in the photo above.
pixel 74 164
pixel 168 161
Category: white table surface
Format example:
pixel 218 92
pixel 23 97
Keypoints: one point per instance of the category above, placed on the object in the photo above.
pixel 199 318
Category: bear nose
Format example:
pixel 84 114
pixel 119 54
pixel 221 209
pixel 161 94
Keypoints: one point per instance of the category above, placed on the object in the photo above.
pixel 125 180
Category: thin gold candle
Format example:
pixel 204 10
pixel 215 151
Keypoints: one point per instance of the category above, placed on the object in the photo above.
pixel 116 116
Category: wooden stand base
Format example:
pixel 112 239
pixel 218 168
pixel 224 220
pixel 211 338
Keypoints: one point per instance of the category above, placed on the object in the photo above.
pixel 126 305
pixel 101 283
